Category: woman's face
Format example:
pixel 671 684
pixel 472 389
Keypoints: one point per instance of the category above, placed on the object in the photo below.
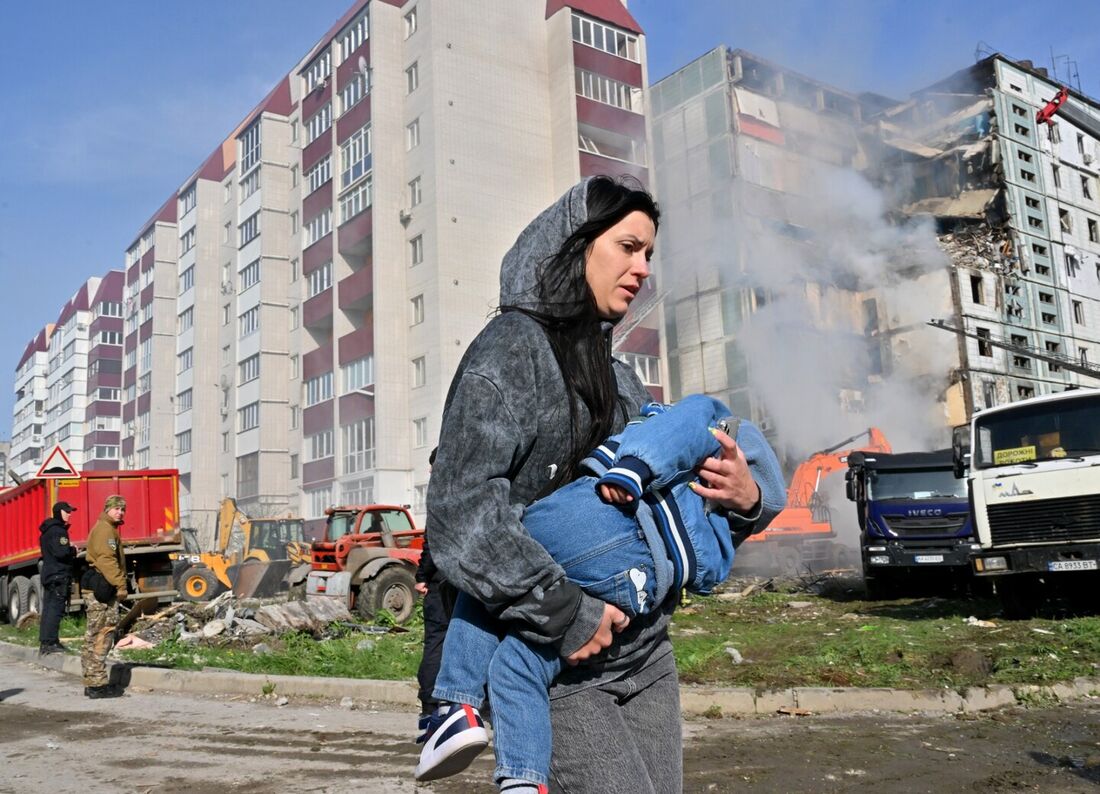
pixel 618 263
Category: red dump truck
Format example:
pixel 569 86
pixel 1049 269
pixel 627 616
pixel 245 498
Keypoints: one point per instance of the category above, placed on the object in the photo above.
pixel 149 534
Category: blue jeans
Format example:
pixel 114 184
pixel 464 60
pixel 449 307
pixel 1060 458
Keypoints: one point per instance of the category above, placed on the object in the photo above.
pixel 601 548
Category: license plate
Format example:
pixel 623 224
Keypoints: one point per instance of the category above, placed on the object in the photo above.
pixel 929 558
pixel 1072 565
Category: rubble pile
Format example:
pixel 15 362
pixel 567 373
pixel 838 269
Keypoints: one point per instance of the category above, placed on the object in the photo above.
pixel 978 248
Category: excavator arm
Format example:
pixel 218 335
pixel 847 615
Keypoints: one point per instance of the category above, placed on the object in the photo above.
pixel 1063 107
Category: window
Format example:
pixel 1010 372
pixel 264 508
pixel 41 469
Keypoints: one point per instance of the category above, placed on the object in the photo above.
pixel 602 37
pixel 977 293
pixel 114 309
pixel 420 432
pixel 1021 130
pixel 226 314
pixel 412 78
pixel 985 348
pixel 603 89
pixel 248 475
pixel 248 418
pixel 295 414
pixel 1094 231
pixel 1080 143
pixel 1024 156
pixel 415 195
pixel 356 200
pixel 317 72
pixel 358 446
pixel 111 337
pixel 412 134
pixel 357 374
pixel 410 23
pixel 1078 312
pixel 352 38
pixel 1027 176
pixel 294 222
pixel 419 372
pixel 294 176
pixel 294 366
pixel 294 467
pixel 1065 220
pixel 1053 133
pixel 1031 202
pixel 319 499
pixel 187 241
pixel 187 281
pixel 320 173
pixel 319 445
pixel 293 270
pixel 320 279
pixel 318 389
pixel 249 322
pixel 319 226
pixel 249 230
pixel 648 368
pixel 108 393
pixel 1025 392
pixel 187 201
pixel 1083 353
pixel 250 276
pixel 355 157
pixel 417 306
pixel 420 498
pixel 183 442
pixel 359 492
pixel 319 123
pixel 1056 173
pixel 293 317
pixel 1086 188
pixel 249 148
pixel 250 184
pixel 183 401
pixel 1054 349
pixel 185 320
pixel 416 249
pixel 353 93
pixel 249 369
pixel 184 360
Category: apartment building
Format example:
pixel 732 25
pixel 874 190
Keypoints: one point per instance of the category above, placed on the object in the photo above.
pixel 1018 209
pixel 102 430
pixel 5 456
pixel 29 410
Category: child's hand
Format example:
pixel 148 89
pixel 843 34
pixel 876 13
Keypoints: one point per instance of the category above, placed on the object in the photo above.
pixel 615 494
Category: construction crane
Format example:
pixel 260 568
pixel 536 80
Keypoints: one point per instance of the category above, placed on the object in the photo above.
pixel 1066 362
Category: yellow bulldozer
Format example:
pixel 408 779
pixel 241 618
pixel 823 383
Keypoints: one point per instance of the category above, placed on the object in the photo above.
pixel 252 558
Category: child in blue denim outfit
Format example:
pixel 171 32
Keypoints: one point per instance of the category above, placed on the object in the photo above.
pixel 630 534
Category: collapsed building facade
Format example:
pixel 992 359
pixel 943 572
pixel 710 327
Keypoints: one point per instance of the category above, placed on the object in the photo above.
pixel 1016 208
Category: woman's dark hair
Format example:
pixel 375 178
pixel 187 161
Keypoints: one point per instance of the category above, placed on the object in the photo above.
pixel 581 348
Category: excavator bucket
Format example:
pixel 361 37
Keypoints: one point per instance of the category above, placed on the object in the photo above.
pixel 259 579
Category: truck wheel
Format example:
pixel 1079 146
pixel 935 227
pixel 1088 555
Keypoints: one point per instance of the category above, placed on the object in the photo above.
pixel 879 590
pixel 1020 596
pixel 34 595
pixel 393 589
pixel 18 593
pixel 198 584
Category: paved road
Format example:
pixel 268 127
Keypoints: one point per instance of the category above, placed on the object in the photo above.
pixel 53 739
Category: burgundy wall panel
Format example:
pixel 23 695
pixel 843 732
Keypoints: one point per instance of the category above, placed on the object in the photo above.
pixel 316 201
pixel 352 120
pixel 351 63
pixel 317 254
pixel 592 60
pixel 315 99
pixel 317 362
pixel 354 407
pixel 592 164
pixel 317 470
pixel 318 309
pixel 355 234
pixel 317 418
pixel 356 287
pixel 315 151
pixel 358 343
pixel 608 117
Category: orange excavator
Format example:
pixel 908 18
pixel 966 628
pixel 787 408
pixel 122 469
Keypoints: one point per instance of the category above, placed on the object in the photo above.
pixel 802 536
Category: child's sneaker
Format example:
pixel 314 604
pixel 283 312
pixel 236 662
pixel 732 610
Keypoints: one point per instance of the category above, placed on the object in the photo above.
pixel 453 737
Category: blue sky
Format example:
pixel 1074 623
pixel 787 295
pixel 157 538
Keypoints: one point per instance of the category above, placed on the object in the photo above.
pixel 110 105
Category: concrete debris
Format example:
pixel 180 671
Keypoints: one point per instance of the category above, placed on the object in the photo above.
pixel 799 604
pixel 984 624
pixel 261 648
pixel 213 628
pixel 312 615
pixel 347 703
pixel 365 646
pixel 282 701
pixel 734 655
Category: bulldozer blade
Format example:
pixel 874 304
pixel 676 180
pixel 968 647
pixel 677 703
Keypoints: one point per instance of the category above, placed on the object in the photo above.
pixel 143 607
pixel 256 579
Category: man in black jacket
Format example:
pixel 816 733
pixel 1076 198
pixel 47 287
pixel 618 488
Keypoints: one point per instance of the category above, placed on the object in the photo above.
pixel 57 560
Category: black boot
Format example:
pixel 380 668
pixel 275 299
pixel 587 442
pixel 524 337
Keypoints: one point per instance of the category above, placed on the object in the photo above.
pixel 55 647
pixel 105 691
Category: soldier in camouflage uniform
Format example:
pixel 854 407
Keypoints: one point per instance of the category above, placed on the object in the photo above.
pixel 104 554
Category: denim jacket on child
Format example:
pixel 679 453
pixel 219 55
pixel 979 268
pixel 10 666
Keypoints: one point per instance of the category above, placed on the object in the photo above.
pixel 654 460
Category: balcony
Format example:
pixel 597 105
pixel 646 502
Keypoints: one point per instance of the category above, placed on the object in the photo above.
pixel 609 117
pixel 317 311
pixel 318 471
pixel 356 292
pixel 355 235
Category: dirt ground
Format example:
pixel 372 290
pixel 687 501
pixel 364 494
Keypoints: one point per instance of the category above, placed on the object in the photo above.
pixel 53 739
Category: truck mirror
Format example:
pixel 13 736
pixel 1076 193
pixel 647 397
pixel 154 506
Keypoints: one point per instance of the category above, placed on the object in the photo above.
pixel 849 486
pixel 960 450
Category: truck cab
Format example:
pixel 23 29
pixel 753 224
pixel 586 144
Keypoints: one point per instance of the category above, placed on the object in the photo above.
pixel 914 516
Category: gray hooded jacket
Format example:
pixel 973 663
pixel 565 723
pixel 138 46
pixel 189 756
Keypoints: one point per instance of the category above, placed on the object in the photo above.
pixel 505 432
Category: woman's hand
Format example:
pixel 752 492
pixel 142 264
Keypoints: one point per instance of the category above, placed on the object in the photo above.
pixel 728 480
pixel 613 621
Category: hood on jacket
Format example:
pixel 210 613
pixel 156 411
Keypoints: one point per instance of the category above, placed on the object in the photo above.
pixel 544 237
pixel 51 522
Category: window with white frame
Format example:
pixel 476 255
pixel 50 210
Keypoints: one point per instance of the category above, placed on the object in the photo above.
pixel 109 393
pixel 114 308
pixel 419 372
pixel 415 194
pixel 420 432
pixel 295 414
pixel 146 356
pixel 355 200
pixel 250 275
pixel 318 389
pixel 249 230
pixel 357 374
pixel 319 445
pixel 648 368
pixel 294 366
pixel 183 442
pixel 250 184
pixel 410 22
pixel 187 280
pixel 412 77
pixel 353 91
pixel 185 320
pixel 416 306
pixel 359 491
pixel 319 123
pixel 249 369
pixel 316 73
pixel 249 147
pixel 412 134
pixel 594 34
pixel 248 322
pixel 248 475
pixel 358 445
pixel 187 241
pixel 355 156
pixel 320 173
pixel 110 337
pixel 183 401
pixel 131 358
pixel 319 499
pixel 319 226
pixel 320 279
pixel 416 249
pixel 353 37
pixel 187 201
pixel 293 317
pixel 420 498
pixel 184 360
pixel 248 418
pixel 603 89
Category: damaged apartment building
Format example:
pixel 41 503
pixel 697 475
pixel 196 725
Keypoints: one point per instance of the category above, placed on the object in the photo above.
pixel 1017 209
pixel 785 276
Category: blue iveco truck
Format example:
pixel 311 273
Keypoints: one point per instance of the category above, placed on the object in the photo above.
pixel 914 519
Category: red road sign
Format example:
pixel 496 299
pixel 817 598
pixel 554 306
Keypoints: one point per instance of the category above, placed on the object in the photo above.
pixel 57 466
